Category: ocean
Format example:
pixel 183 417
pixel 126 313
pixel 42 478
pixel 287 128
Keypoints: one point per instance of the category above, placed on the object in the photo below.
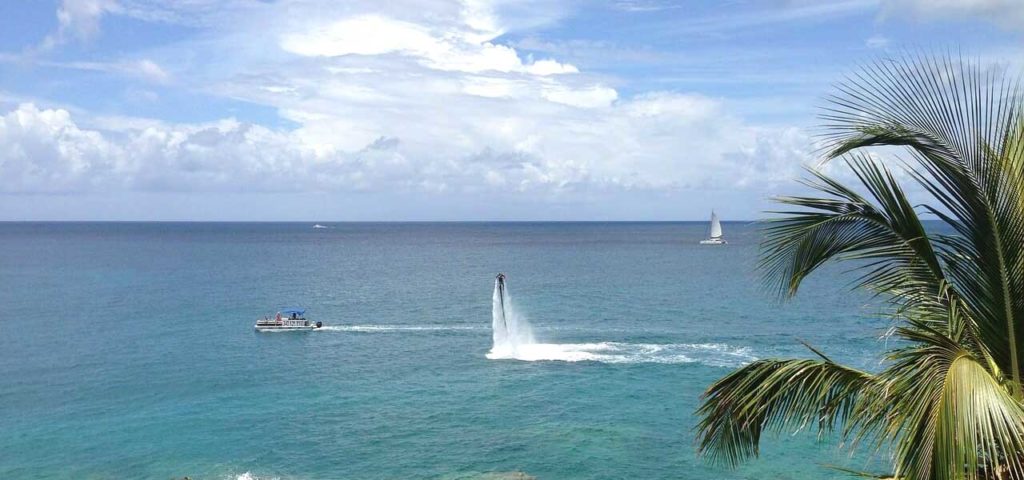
pixel 128 350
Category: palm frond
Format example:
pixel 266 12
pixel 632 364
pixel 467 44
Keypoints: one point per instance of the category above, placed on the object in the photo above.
pixel 949 401
pixel 946 414
pixel 884 233
pixel 962 123
pixel 775 394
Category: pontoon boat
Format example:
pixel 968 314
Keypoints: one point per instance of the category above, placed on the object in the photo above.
pixel 290 318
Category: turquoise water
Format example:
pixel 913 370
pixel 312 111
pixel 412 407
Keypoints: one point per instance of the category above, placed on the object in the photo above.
pixel 128 350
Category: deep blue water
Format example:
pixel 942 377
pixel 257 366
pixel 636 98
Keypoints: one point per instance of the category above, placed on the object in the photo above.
pixel 127 350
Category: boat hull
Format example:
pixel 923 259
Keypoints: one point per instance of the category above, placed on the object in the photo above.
pixel 714 241
pixel 284 328
pixel 286 325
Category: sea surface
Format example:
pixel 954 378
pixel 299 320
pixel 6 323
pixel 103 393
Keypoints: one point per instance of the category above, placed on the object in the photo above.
pixel 127 350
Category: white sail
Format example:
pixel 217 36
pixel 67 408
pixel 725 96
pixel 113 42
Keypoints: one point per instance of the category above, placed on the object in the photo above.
pixel 716 226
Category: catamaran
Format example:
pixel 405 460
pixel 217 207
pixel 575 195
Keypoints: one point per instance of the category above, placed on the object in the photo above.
pixel 714 232
pixel 289 318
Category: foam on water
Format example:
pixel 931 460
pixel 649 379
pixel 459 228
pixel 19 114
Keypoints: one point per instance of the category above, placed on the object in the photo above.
pixel 514 340
pixel 713 354
pixel 250 476
pixel 396 328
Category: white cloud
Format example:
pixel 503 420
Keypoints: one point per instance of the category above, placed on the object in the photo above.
pixel 363 35
pixel 1007 13
pixel 149 69
pixel 550 67
pixel 81 18
pixel 144 69
pixel 661 141
pixel 390 100
pixel 77 19
pixel 877 41
pixel 493 87
pixel 44 150
pixel 462 48
pixel 587 97
pixel 644 5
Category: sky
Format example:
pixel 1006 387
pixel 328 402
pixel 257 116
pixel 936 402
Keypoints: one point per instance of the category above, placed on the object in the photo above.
pixel 422 110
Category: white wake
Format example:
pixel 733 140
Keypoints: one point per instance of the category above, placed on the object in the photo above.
pixel 250 476
pixel 712 354
pixel 513 340
pixel 397 328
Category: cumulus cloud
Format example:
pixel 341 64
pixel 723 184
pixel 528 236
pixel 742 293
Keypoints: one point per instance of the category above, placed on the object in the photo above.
pixel 382 99
pixel 45 151
pixel 656 142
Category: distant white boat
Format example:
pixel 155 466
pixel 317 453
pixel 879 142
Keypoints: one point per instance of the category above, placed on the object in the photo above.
pixel 289 318
pixel 714 232
pixel 320 226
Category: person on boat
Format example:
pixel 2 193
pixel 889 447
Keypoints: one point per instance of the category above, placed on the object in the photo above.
pixel 278 318
pixel 295 316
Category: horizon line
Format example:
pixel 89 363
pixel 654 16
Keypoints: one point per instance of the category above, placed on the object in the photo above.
pixel 704 220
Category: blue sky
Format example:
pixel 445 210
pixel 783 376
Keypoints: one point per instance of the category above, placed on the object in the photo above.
pixel 438 110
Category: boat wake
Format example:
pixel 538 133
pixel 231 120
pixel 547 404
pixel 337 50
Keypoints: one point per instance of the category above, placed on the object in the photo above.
pixel 397 328
pixel 515 475
pixel 712 354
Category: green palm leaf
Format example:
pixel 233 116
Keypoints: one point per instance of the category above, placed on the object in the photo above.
pixel 962 124
pixel 775 394
pixel 948 401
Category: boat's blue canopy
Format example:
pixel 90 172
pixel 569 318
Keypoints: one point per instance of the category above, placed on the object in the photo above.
pixel 291 310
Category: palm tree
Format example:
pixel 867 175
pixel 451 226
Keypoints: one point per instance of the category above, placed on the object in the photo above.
pixel 948 401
